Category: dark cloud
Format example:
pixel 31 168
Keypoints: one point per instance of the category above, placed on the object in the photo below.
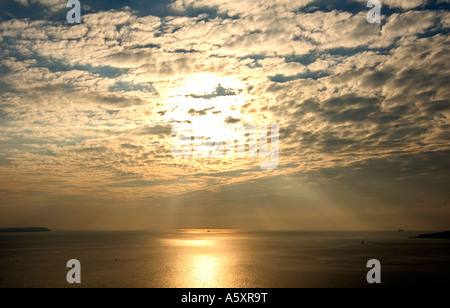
pixel 351 109
pixel 127 87
pixel 140 184
pixel 156 130
pixel 308 106
pixel 119 100
pixel 420 79
pixel 354 7
pixel 202 112
pixel 438 106
pixel 376 80
pixel 231 120
pixel 92 150
pixel 4 87
pixel 220 91
pixel 130 147
pixel 184 51
pixel 10 9
pixel 332 143
pixel 307 75
pixel 340 5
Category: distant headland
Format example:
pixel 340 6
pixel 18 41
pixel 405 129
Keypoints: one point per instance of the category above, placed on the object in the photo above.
pixel 440 235
pixel 30 229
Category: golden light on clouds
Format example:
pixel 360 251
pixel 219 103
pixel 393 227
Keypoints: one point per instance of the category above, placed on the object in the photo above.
pixel 204 102
pixel 87 113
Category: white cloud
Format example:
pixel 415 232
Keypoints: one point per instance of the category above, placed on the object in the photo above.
pixel 409 23
pixel 402 4
pixel 64 114
pixel 405 4
pixel 446 20
pixel 244 8
pixel 53 5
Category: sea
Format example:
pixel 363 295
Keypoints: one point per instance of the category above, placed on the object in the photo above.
pixel 222 259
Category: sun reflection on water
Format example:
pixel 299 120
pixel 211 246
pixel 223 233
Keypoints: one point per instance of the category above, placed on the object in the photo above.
pixel 202 262
pixel 194 243
pixel 204 271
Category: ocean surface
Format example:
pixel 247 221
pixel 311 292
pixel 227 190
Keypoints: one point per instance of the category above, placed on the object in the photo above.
pixel 222 258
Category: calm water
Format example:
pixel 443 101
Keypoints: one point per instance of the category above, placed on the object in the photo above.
pixel 222 259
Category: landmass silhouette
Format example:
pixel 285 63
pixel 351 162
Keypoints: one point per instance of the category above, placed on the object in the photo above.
pixel 440 235
pixel 28 229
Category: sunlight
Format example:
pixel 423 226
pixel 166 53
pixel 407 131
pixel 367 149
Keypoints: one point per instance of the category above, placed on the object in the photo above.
pixel 203 83
pixel 204 271
pixel 192 243
pixel 210 122
pixel 203 261
pixel 207 105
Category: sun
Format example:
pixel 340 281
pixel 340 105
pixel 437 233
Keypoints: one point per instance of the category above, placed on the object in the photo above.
pixel 208 105
pixel 210 121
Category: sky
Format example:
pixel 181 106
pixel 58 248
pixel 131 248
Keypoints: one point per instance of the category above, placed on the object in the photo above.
pixel 88 111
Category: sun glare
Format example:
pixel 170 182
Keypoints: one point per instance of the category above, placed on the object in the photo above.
pixel 189 243
pixel 208 105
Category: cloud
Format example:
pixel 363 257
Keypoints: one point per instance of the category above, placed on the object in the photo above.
pixel 409 23
pixel 134 184
pixel 87 110
pixel 405 4
pixel 202 112
pixel 231 120
pixel 219 91
pixel 53 5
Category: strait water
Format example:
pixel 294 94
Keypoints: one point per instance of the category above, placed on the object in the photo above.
pixel 222 258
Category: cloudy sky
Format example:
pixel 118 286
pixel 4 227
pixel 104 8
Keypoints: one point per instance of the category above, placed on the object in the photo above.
pixel 87 112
